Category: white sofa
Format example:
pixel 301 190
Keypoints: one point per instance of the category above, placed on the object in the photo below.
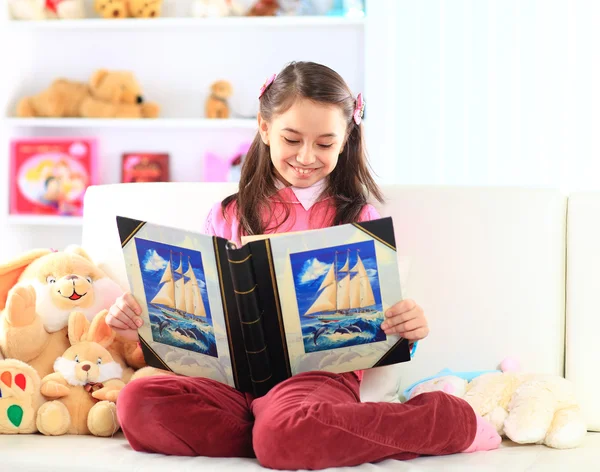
pixel 487 264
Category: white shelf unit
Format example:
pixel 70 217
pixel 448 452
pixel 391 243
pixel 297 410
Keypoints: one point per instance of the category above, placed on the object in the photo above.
pixel 166 23
pixel 175 60
pixel 43 220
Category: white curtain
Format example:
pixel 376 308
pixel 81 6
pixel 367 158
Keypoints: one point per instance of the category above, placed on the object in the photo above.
pixel 486 92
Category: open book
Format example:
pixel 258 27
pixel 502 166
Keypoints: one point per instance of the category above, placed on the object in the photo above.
pixel 253 316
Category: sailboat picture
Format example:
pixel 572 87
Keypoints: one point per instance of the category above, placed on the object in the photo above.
pixel 338 295
pixel 175 289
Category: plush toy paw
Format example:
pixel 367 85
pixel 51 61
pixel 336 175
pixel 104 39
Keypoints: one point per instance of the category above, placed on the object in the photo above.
pixel 150 372
pixel 53 389
pixel 19 397
pixel 53 419
pixel 486 437
pixel 567 430
pixel 20 306
pixel 102 419
pixel 145 8
pixel 150 110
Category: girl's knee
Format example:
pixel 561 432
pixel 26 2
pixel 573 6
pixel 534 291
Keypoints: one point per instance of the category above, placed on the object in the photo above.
pixel 129 402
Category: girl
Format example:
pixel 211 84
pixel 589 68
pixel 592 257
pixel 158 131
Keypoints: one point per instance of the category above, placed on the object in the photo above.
pixel 306 169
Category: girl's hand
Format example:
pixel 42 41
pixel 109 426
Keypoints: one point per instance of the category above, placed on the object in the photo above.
pixel 124 317
pixel 407 319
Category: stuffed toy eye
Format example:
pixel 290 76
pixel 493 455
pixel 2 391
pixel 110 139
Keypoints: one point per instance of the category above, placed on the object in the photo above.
pixel 99 361
pixel 89 279
pixel 77 359
pixel 50 279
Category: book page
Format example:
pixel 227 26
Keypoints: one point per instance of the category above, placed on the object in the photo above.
pixel 335 285
pixel 173 275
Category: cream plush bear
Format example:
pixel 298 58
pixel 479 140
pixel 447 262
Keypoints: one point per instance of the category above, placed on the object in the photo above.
pixel 525 408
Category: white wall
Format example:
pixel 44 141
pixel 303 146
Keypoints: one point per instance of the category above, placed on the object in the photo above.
pixel 494 92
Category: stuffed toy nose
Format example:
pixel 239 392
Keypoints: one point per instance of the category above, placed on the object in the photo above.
pixel 86 367
pixel 140 99
pixel 72 277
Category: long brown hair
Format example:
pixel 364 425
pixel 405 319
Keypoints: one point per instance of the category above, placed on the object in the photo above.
pixel 350 183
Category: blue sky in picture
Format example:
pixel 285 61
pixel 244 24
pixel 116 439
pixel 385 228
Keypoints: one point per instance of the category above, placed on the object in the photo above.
pixel 154 257
pixel 310 268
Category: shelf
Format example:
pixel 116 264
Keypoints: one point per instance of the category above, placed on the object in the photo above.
pixel 138 24
pixel 45 220
pixel 142 123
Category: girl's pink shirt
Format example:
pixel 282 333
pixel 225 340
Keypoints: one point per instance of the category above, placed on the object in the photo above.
pixel 320 215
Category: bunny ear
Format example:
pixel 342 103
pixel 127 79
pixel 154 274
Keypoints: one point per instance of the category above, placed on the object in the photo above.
pixel 78 327
pixel 100 332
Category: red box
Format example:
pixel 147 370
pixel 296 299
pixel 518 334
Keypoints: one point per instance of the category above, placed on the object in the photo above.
pixel 49 176
pixel 145 167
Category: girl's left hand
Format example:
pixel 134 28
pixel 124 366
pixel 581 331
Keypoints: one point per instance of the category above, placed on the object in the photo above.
pixel 407 319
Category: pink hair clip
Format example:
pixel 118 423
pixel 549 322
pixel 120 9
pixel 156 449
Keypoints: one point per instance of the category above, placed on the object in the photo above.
pixel 266 85
pixel 359 109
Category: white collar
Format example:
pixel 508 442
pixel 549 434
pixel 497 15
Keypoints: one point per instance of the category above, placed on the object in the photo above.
pixel 307 196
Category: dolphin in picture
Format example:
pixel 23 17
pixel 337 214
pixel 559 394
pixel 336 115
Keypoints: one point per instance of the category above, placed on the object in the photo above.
pixel 191 334
pixel 342 330
pixel 162 326
pixel 354 329
pixel 318 333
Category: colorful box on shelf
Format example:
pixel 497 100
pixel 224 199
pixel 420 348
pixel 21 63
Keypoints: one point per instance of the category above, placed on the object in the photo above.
pixel 49 176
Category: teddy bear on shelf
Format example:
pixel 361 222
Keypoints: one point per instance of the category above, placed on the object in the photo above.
pixel 108 94
pixel 46 9
pixel 216 104
pixel 85 383
pixel 38 292
pixel 216 8
pixel 115 9
pixel 264 8
pixel 526 408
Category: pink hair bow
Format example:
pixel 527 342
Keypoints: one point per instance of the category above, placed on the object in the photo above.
pixel 359 109
pixel 266 85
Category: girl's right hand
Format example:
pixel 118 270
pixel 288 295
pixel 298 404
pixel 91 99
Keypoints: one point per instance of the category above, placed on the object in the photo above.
pixel 124 317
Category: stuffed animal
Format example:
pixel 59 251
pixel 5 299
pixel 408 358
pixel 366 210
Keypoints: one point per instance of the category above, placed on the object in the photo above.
pixel 216 104
pixel 216 8
pixel 526 408
pixel 115 9
pixel 109 94
pixel 38 292
pixel 145 8
pixel 85 383
pixel 46 9
pixel 20 397
pixel 264 8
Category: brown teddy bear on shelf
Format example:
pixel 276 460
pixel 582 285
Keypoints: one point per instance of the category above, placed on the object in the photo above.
pixel 85 383
pixel 109 94
pixel 128 8
pixel 264 8
pixel 216 104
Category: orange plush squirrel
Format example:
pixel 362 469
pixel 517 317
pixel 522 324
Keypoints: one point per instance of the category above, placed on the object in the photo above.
pixel 85 383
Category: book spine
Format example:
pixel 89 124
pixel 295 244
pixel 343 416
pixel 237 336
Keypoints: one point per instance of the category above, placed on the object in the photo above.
pixel 250 313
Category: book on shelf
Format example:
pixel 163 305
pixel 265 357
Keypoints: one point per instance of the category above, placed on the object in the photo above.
pixel 279 305
pixel 49 176
pixel 145 167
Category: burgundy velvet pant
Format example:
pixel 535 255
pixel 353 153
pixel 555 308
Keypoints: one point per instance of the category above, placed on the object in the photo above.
pixel 312 421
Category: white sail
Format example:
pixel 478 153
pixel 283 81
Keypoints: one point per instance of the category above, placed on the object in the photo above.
pixel 167 274
pixel 344 292
pixel 180 288
pixel 166 295
pixel 354 290
pixel 347 264
pixel 194 299
pixel 325 301
pixel 329 278
pixel 366 291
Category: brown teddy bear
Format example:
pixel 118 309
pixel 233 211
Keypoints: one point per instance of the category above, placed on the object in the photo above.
pixel 128 8
pixel 109 94
pixel 85 383
pixel 216 104
pixel 38 292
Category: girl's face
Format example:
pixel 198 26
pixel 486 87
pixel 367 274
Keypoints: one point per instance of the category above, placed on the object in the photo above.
pixel 305 141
